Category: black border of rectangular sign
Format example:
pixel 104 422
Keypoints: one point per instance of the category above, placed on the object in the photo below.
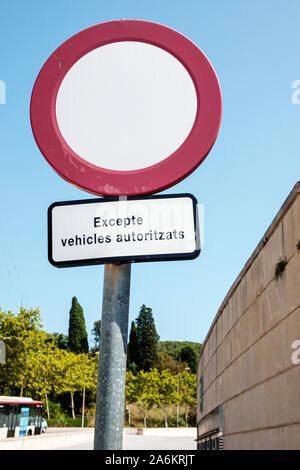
pixel 124 259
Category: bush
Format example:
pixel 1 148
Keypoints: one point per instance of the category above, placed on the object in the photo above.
pixel 55 410
pixel 155 417
pixel 67 422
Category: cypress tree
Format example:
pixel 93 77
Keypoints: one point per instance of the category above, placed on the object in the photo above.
pixel 147 340
pixel 78 342
pixel 133 349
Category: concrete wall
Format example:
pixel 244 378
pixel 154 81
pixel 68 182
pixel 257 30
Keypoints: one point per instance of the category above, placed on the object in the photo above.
pixel 246 359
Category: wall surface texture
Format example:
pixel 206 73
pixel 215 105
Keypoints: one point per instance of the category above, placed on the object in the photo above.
pixel 249 366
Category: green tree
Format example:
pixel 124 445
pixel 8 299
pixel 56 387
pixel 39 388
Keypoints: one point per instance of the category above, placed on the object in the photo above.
pixel 96 333
pixel 78 342
pixel 23 338
pixel 147 390
pixel 89 366
pixel 172 347
pixel 71 376
pixel 187 354
pixel 36 366
pixel 133 349
pixel 26 360
pixel 167 391
pixel 147 340
pixel 166 361
pixel 78 373
pixel 187 384
pixel 46 372
pixel 60 340
pixel 131 392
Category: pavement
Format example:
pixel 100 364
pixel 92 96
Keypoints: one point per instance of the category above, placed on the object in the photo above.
pixel 134 442
pixel 82 439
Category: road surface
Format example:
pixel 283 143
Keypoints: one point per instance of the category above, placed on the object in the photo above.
pixel 134 442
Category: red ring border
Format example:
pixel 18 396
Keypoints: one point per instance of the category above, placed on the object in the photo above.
pixel 155 178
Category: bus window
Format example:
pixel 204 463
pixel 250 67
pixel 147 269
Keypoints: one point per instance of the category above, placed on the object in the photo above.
pixel 31 421
pixel 12 420
pixel 2 410
pixel 3 421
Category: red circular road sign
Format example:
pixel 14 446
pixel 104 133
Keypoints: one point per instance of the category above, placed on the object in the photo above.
pixel 126 108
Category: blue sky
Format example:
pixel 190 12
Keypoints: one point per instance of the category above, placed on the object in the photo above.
pixel 255 50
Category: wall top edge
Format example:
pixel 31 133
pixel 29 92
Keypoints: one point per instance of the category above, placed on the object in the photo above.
pixel 267 235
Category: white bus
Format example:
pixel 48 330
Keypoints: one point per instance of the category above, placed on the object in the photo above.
pixel 20 417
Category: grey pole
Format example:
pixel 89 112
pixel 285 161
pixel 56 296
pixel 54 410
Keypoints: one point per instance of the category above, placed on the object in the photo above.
pixel 112 358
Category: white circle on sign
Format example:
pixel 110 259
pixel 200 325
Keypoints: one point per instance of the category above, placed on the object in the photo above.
pixel 126 106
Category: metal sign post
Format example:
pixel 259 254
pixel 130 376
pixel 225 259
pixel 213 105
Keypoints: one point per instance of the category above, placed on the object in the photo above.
pixel 112 361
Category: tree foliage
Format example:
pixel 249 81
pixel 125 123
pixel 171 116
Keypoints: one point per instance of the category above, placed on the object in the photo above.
pixel 188 355
pixel 60 340
pixel 36 366
pixel 96 333
pixel 187 388
pixel 147 357
pixel 133 349
pixel 147 391
pixel 160 389
pixel 172 348
pixel 167 391
pixel 169 362
pixel 23 339
pixel 78 342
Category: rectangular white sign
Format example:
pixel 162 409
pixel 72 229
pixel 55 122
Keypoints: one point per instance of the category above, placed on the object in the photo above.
pixel 144 228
